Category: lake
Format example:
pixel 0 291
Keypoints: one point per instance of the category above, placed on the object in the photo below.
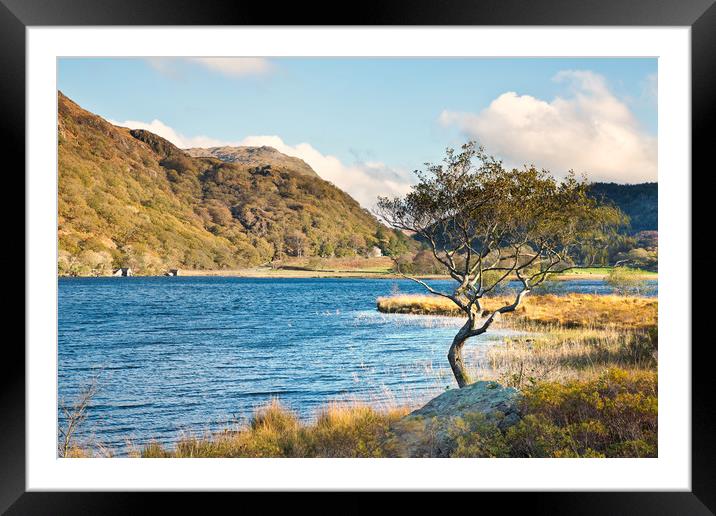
pixel 180 355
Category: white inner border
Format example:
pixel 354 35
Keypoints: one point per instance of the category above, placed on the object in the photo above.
pixel 671 470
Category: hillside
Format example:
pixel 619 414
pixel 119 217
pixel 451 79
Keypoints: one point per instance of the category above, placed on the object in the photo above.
pixel 639 202
pixel 255 157
pixel 128 198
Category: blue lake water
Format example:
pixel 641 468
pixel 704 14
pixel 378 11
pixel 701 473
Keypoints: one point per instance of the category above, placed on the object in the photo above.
pixel 189 355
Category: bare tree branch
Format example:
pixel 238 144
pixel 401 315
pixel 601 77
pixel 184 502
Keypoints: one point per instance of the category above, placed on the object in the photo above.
pixel 75 414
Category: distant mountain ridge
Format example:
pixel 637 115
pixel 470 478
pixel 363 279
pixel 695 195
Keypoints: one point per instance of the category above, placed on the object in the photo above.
pixel 254 156
pixel 129 198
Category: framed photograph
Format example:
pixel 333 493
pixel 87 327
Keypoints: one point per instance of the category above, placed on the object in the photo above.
pixel 397 251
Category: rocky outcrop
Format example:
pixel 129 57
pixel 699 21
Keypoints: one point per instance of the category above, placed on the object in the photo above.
pixel 430 430
pixel 255 157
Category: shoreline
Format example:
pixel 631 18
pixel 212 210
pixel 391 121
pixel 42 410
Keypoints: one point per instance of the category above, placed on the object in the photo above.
pixel 309 274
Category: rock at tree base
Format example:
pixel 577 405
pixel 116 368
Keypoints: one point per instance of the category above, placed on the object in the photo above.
pixel 431 430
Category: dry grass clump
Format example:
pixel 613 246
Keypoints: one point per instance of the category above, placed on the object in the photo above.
pixel 572 310
pixel 77 452
pixel 349 430
pixel 88 450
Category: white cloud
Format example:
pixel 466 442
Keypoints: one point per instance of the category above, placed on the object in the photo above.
pixel 364 181
pixel 229 66
pixel 161 129
pixel 164 65
pixel 234 66
pixel 591 132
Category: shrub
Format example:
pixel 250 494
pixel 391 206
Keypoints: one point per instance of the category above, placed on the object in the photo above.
pixel 614 415
pixel 220 214
pixel 625 280
pixel 476 436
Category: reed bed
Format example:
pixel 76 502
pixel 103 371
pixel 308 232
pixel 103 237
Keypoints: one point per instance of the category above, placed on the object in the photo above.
pixel 566 354
pixel 571 310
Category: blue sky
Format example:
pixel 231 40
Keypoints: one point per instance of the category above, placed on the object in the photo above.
pixel 366 123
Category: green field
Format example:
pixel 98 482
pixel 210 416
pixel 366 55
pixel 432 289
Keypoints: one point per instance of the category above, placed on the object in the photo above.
pixel 600 272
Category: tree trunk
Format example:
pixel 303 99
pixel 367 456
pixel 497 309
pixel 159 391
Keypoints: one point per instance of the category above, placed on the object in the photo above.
pixel 455 355
pixel 468 330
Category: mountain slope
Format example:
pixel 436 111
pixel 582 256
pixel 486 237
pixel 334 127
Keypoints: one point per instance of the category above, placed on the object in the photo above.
pixel 129 198
pixel 638 201
pixel 254 157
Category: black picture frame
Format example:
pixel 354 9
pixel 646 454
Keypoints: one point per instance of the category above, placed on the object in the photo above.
pixel 700 15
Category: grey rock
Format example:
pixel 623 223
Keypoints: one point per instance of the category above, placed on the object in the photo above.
pixel 426 432
pixel 254 156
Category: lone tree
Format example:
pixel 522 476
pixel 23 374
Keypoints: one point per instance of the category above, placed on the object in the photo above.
pixel 488 225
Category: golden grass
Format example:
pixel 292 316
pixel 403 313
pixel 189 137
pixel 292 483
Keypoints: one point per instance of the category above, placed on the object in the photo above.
pixel 87 450
pixel 418 304
pixel 572 310
pixel 77 452
pixel 340 430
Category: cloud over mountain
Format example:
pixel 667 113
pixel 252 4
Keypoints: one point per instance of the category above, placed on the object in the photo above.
pixel 364 181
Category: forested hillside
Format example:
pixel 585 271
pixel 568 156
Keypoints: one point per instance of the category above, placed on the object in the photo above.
pixel 128 198
pixel 639 202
